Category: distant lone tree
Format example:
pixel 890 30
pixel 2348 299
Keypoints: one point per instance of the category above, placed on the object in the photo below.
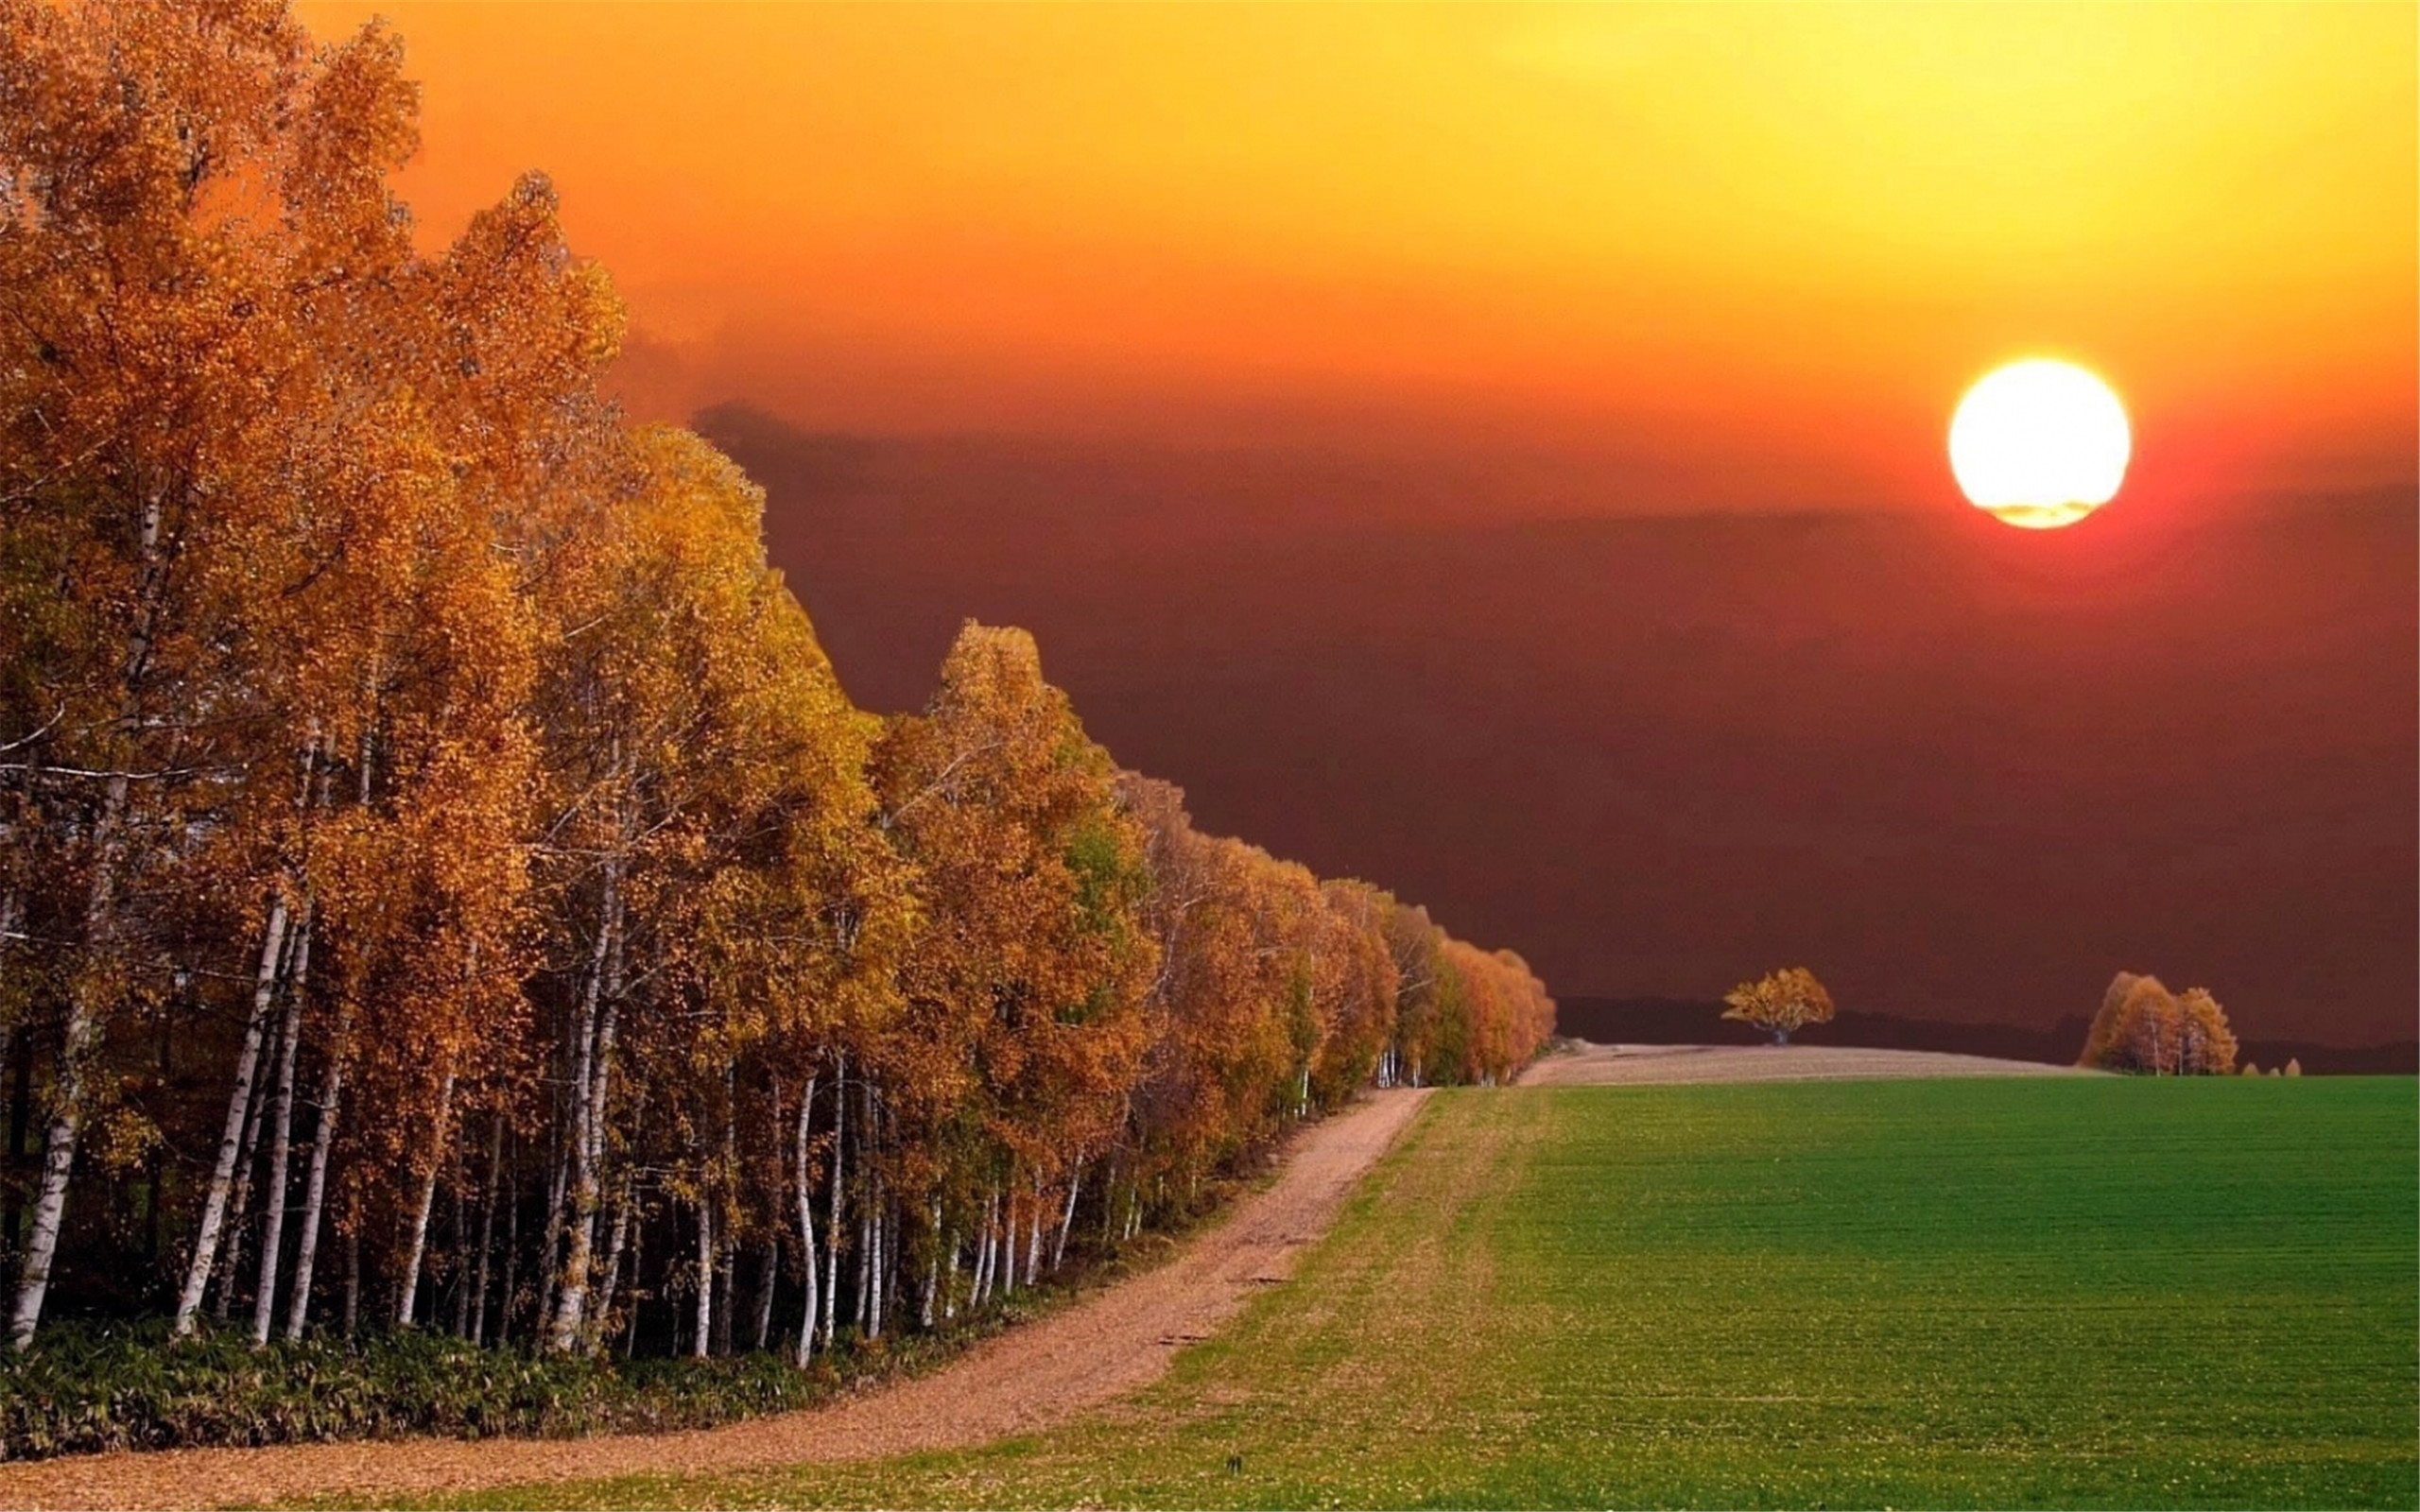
pixel 2145 1029
pixel 1781 1001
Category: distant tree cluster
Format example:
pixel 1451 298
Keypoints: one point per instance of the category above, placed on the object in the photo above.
pixel 2144 1028
pixel 444 884
pixel 1780 1003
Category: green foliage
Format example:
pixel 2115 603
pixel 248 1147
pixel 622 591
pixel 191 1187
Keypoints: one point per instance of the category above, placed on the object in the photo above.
pixel 2099 1292
pixel 82 1389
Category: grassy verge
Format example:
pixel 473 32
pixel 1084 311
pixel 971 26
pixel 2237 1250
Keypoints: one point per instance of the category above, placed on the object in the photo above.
pixel 2094 1293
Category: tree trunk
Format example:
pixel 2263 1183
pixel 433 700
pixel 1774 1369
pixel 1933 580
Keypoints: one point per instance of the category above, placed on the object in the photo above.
pixel 981 1291
pixel 85 1010
pixel 601 1318
pixel 487 1228
pixel 724 1195
pixel 281 1137
pixel 239 1205
pixel 591 1076
pixel 865 1266
pixel 239 1104
pixel 416 1248
pixel 880 1292
pixel 933 1271
pixel 550 1235
pixel 1033 1236
pixel 726 1283
pixel 86 1003
pixel 807 1226
pixel 705 1330
pixel 832 1227
pixel 315 1186
pixel 772 1273
pixel 1067 1218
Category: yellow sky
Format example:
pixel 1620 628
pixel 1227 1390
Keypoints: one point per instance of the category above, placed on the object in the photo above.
pixel 1767 246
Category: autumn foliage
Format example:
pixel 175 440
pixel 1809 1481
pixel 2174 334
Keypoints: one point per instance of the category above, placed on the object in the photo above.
pixel 1780 1003
pixel 2144 1028
pixel 444 885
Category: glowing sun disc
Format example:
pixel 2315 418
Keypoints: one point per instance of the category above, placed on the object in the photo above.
pixel 2040 444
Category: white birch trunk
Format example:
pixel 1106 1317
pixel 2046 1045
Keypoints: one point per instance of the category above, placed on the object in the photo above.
pixel 982 1288
pixel 602 1317
pixel 240 1205
pixel 874 1274
pixel 831 1227
pixel 239 1104
pixel 423 1201
pixel 807 1226
pixel 281 1137
pixel 315 1186
pixel 1033 1236
pixel 705 1313
pixel 1067 1218
pixel 85 1008
pixel 591 1078
pixel 868 1270
pixel 932 1272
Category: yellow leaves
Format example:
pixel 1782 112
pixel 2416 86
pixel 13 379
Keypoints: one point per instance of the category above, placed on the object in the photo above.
pixel 126 1140
pixel 1780 1000
pixel 505 699
pixel 2143 1027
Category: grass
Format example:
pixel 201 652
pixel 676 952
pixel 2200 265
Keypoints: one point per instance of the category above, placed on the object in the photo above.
pixel 2095 1293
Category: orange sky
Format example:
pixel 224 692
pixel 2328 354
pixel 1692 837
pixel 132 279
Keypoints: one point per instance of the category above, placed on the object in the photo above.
pixel 1751 253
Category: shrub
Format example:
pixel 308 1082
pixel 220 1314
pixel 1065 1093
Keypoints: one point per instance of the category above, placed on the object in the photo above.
pixel 86 1389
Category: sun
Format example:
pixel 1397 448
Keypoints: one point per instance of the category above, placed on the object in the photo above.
pixel 2040 444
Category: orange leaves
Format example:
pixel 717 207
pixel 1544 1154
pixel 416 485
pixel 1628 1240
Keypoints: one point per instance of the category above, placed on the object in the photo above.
pixel 2144 1028
pixel 1781 1001
pixel 1031 964
pixel 327 576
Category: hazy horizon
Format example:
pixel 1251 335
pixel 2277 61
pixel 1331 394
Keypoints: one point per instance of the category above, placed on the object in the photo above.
pixel 1305 674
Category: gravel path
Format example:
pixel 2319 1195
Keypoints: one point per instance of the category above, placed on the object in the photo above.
pixel 1024 1381
pixel 1593 1065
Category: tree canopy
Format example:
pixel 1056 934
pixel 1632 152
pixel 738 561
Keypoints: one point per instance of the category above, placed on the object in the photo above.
pixel 1780 1003
pixel 442 881
pixel 2144 1028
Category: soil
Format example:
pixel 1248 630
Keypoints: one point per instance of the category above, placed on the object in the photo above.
pixel 1028 1378
pixel 1593 1065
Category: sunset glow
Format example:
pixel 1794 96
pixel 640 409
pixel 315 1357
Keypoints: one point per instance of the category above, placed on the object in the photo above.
pixel 2040 444
pixel 1692 262
pixel 705 700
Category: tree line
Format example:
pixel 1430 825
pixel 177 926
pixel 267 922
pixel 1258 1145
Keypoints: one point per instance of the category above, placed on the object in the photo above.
pixel 445 884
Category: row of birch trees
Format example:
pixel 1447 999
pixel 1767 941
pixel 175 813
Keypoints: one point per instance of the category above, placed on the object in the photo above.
pixel 442 883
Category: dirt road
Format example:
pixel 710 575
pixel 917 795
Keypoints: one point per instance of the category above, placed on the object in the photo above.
pixel 1670 1065
pixel 1024 1381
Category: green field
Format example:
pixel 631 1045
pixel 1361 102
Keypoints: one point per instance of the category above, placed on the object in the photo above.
pixel 2103 1293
